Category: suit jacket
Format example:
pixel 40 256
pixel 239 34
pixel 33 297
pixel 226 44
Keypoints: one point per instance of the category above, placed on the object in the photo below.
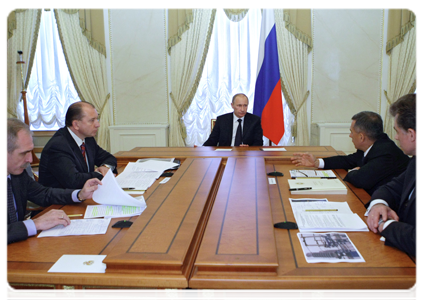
pixel 383 162
pixel 62 164
pixel 396 193
pixel 24 188
pixel 252 133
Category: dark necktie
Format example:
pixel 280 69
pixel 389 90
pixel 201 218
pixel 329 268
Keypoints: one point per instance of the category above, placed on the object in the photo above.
pixel 11 211
pixel 83 151
pixel 238 136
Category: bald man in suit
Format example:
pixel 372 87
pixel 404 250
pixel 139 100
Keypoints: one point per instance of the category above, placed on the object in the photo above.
pixel 72 155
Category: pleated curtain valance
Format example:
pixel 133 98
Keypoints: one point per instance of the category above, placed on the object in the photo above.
pixel 298 22
pixel 400 22
pixel 91 22
pixel 179 21
pixel 10 20
pixel 236 14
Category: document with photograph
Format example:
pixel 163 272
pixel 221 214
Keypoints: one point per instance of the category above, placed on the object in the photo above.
pixel 332 247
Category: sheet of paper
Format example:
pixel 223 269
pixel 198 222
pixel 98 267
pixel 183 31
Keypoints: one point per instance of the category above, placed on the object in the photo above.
pixel 273 149
pixel 113 211
pixel 137 181
pixel 78 227
pixel 110 193
pixel 329 247
pixel 160 159
pixel 165 180
pixel 301 207
pixel 312 222
pixel 326 216
pixel 312 174
pixel 79 264
pixel 221 149
pixel 154 165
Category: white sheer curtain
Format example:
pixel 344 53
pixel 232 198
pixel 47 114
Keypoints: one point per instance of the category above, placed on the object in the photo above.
pixel 230 68
pixel 50 88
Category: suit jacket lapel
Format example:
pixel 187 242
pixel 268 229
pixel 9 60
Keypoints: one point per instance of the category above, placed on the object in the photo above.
pixel 89 152
pixel 410 182
pixel 247 125
pixel 227 130
pixel 18 194
pixel 76 151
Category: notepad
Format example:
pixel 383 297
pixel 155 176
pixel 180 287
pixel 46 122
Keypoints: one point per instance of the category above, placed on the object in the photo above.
pixel 318 186
pixel 329 174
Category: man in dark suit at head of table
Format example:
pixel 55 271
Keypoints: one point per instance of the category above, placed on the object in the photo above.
pixel 376 162
pixel 239 128
pixel 72 155
pixel 21 188
pixel 392 209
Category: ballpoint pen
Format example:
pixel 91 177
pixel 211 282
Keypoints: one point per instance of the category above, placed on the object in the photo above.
pixel 321 210
pixel 300 189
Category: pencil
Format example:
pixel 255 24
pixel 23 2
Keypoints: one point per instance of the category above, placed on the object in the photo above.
pixel 78 215
pixel 321 210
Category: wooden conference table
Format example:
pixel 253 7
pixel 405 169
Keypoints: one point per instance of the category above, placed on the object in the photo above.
pixel 211 227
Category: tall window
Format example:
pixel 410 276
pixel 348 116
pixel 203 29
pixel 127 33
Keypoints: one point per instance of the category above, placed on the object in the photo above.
pixel 50 88
pixel 230 68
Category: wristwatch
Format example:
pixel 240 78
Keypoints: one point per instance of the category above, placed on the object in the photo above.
pixel 77 196
pixel 112 168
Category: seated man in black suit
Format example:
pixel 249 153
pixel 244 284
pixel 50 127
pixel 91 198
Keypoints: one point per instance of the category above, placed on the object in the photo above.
pixel 72 155
pixel 392 209
pixel 239 128
pixel 376 161
pixel 20 188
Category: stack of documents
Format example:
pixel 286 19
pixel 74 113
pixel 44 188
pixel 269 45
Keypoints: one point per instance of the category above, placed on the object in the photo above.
pixel 316 186
pixel 114 202
pixel 312 174
pixel 139 176
pixel 326 216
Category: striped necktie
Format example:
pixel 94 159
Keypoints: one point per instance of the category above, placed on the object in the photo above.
pixel 83 151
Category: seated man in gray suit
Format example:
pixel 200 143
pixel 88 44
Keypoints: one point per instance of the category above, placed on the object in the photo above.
pixel 20 188
pixel 72 155
pixel 392 210
pixel 376 162
pixel 239 128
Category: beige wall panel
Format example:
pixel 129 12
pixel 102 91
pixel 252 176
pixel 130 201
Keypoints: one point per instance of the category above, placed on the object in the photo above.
pixel 347 62
pixel 139 66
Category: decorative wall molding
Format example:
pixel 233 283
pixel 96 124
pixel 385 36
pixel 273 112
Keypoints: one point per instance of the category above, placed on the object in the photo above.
pixel 332 134
pixel 127 137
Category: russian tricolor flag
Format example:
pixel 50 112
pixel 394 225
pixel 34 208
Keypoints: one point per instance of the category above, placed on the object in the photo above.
pixel 268 93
